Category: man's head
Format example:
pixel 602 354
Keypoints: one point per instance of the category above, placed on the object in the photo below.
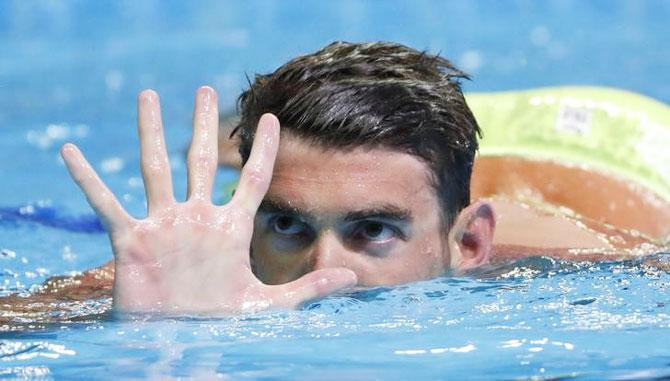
pixel 376 95
pixel 367 106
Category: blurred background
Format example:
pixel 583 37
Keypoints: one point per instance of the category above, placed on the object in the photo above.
pixel 90 58
pixel 71 70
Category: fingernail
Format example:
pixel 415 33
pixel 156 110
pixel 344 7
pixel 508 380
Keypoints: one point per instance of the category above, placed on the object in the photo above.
pixel 270 120
pixel 207 96
pixel 67 149
pixel 148 96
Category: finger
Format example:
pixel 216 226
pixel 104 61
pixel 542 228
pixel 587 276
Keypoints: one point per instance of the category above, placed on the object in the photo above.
pixel 153 153
pixel 98 195
pixel 314 285
pixel 257 172
pixel 203 153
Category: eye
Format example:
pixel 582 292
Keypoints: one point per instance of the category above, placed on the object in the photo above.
pixel 374 231
pixel 288 225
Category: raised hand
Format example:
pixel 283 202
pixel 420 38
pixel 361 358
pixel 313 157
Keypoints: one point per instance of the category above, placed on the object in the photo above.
pixel 193 257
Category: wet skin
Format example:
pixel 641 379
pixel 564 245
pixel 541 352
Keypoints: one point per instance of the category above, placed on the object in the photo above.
pixel 330 219
pixel 375 212
pixel 372 211
pixel 192 257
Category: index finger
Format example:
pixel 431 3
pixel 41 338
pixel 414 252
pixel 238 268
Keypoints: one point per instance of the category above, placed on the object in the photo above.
pixel 257 172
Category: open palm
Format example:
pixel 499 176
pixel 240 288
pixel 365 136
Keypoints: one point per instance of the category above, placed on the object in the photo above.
pixel 193 257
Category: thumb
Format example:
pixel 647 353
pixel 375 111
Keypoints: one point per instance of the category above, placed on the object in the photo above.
pixel 315 285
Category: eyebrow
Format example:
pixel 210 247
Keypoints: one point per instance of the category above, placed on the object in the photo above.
pixel 384 211
pixel 279 207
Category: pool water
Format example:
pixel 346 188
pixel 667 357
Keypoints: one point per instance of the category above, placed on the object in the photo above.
pixel 71 71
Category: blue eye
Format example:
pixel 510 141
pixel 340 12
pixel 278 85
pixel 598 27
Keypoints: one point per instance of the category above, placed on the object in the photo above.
pixel 374 231
pixel 287 225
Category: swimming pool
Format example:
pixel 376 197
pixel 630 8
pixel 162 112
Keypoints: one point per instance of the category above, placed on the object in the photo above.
pixel 72 71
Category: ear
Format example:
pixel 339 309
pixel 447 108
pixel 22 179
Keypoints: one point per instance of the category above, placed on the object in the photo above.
pixel 471 237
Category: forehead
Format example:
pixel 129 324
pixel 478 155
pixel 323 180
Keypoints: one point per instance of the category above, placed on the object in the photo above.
pixel 313 178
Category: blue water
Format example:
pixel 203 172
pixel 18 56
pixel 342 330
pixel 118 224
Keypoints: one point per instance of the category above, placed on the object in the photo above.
pixel 70 71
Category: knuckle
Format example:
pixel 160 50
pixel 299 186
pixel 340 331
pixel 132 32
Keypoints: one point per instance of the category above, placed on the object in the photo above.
pixel 202 160
pixel 155 164
pixel 153 169
pixel 244 215
pixel 254 177
pixel 204 120
pixel 200 207
pixel 80 178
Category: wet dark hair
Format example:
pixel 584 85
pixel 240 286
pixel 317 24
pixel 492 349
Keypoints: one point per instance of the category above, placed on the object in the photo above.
pixel 377 95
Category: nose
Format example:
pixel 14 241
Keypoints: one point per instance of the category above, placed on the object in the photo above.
pixel 328 252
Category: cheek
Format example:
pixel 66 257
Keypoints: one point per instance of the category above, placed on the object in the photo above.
pixel 416 260
pixel 432 243
pixel 261 257
pixel 271 265
pixel 423 257
pixel 429 258
pixel 434 248
pixel 433 255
